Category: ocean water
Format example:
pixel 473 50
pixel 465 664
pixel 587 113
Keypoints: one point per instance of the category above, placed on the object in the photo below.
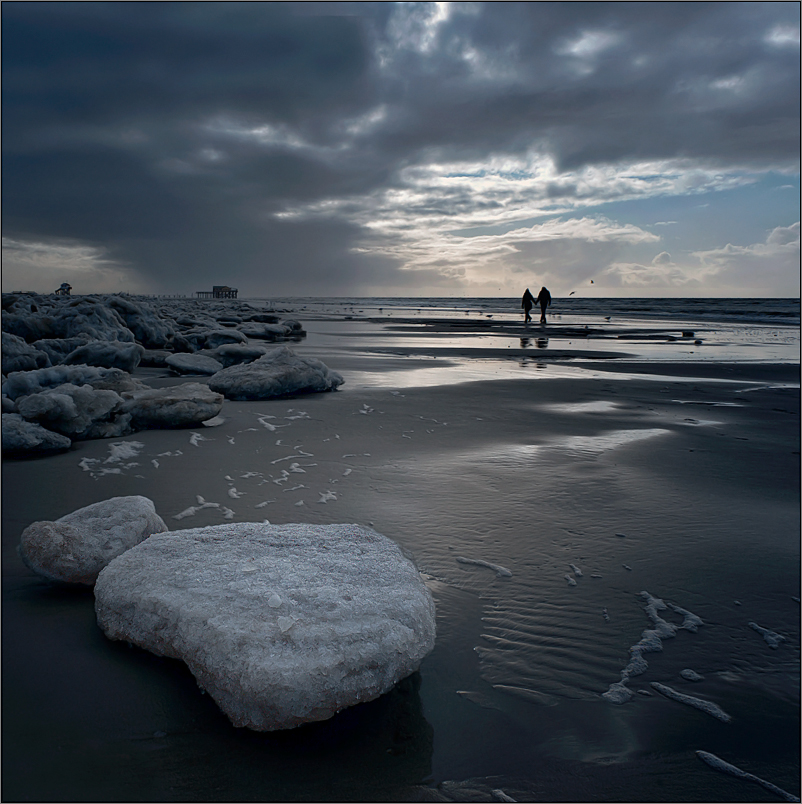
pixel 562 513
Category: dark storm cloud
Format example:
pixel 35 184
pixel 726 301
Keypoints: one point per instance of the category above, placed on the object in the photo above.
pixel 170 134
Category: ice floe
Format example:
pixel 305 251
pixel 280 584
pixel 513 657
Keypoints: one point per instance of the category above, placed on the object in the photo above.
pixel 691 675
pixel 76 547
pixel 353 615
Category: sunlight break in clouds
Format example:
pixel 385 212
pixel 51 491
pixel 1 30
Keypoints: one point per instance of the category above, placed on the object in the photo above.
pixel 424 221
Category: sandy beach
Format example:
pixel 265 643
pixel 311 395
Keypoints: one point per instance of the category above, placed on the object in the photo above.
pixel 593 466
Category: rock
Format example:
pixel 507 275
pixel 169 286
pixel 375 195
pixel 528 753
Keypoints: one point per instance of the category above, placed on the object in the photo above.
pixel 76 547
pixel 20 436
pixel 184 405
pixel 107 354
pixel 278 373
pixel 281 624
pixel 185 363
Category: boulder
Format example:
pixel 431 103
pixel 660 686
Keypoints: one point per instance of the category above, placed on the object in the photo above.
pixel 76 547
pixel 184 405
pixel 184 363
pixel 280 624
pixel 278 373
pixel 21 436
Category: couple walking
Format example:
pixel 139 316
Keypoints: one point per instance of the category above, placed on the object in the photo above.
pixel 528 302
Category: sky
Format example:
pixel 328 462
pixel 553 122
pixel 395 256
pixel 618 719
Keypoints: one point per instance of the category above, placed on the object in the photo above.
pixel 402 149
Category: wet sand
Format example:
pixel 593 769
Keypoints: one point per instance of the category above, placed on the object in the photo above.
pixel 590 479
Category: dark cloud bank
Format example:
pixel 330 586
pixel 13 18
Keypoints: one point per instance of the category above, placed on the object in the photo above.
pixel 169 136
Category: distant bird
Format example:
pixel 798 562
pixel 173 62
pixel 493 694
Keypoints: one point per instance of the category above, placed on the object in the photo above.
pixel 572 293
pixel 591 281
pixel 607 317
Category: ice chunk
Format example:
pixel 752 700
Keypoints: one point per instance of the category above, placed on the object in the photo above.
pixel 691 675
pixel 571 581
pixel 80 412
pixel 577 571
pixel 193 364
pixel 106 354
pixel 76 547
pixel 20 436
pixel 22 383
pixel 698 703
pixel 18 355
pixel 278 373
pixel 186 405
pixel 358 616
pixel 725 767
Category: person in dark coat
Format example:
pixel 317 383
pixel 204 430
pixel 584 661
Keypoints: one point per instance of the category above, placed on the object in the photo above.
pixel 527 302
pixel 544 300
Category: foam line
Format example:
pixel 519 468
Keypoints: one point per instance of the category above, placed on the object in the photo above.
pixel 501 571
pixel 725 767
pixel 708 707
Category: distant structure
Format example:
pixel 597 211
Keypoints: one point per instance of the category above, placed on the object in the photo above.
pixel 64 290
pixel 218 292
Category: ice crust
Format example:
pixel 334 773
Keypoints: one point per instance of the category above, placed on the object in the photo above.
pixel 18 355
pixel 76 547
pixel 281 624
pixel 107 354
pixel 278 373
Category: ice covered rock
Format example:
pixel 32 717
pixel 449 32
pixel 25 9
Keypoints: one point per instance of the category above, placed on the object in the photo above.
pixel 218 337
pixel 278 373
pixel 86 315
pixel 58 348
pixel 230 354
pixel 76 547
pixel 183 363
pixel 281 624
pixel 21 436
pixel 19 355
pixel 184 405
pixel 107 354
pixel 148 327
pixel 79 412
pixel 154 358
pixel 22 383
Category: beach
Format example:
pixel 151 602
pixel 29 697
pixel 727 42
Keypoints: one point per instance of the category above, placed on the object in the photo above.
pixel 603 465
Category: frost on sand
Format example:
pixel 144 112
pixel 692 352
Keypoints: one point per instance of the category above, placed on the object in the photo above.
pixel 281 624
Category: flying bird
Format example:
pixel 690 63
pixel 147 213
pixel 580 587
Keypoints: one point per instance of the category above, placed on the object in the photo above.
pixel 591 281
pixel 572 293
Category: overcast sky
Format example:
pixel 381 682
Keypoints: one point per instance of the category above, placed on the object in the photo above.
pixel 445 149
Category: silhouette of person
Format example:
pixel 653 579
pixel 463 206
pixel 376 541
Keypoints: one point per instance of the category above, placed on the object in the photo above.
pixel 544 300
pixel 527 302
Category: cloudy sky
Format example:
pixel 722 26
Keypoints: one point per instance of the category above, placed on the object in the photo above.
pixel 448 149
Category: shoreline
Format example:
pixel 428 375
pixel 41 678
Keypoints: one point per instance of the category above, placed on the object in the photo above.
pixel 676 477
